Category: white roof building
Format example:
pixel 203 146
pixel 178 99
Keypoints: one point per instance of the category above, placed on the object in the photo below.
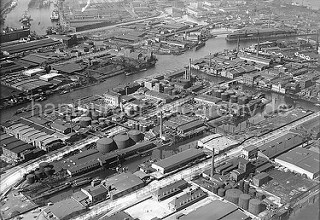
pixel 217 142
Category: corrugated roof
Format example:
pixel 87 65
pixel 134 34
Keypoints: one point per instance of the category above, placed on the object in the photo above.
pixel 63 209
pixel 179 158
pixel 213 211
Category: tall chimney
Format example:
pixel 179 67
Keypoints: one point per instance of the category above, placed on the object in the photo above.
pixel 189 74
pixel 238 44
pixel 258 47
pixel 210 60
pixel 212 165
pixel 161 125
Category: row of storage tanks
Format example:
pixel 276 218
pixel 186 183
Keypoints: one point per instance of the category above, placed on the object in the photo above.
pixel 44 170
pixel 244 196
pixel 230 95
pixel 120 141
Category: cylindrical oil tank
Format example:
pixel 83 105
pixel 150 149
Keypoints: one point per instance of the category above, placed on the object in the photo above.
pixel 244 201
pixel 122 141
pixel 215 189
pixel 85 121
pixel 221 192
pixel 252 192
pixel 218 93
pixel 38 174
pixel 48 171
pixel 42 165
pixel 255 206
pixel 260 196
pixel 135 135
pixel 30 178
pixel 246 187
pixel 105 145
pixel 234 98
pixel 144 128
pixel 225 96
pixel 241 185
pixel 233 195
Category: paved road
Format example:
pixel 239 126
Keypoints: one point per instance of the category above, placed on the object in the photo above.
pixel 13 175
pixel 110 207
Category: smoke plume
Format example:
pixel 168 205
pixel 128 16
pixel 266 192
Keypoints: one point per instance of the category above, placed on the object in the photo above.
pixel 85 7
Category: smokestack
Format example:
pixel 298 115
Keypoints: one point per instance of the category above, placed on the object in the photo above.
pixel 238 44
pixel 258 48
pixel 189 74
pixel 161 125
pixel 186 74
pixel 210 60
pixel 212 165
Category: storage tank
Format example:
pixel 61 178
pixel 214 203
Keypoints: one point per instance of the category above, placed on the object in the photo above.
pixel 255 206
pixel 48 171
pixel 225 96
pixel 129 111
pixel 221 192
pixel 30 178
pixel 122 141
pixel 136 108
pixel 252 192
pixel 244 201
pixel 246 187
pixel 38 174
pixel 105 145
pixel 85 121
pixel 42 165
pixel 234 98
pixel 135 135
pixel 144 128
pixel 233 195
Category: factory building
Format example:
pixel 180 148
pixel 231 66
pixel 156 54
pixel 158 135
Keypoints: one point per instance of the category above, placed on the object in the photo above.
pixel 158 96
pixel 187 199
pixel 177 160
pixel 122 184
pixel 84 162
pixel 217 142
pixel 14 148
pixel 216 210
pixel 280 145
pixel 63 210
pixel 260 179
pixel 170 190
pixel 189 126
pixel 302 161
pixel 112 98
pixel 95 194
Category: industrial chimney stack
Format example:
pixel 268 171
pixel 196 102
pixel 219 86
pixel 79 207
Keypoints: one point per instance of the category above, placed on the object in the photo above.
pixel 210 60
pixel 212 165
pixel 161 125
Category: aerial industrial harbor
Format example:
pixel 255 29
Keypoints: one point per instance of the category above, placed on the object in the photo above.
pixel 160 109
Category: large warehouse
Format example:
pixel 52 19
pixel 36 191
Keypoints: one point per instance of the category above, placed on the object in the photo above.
pixel 177 160
pixel 217 142
pixel 302 161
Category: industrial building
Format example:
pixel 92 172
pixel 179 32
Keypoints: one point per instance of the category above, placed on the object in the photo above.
pixel 14 148
pixel 95 194
pixel 189 126
pixel 122 184
pixel 260 179
pixel 216 210
pixel 217 142
pixel 170 190
pixel 177 160
pixel 302 161
pixel 112 98
pixel 83 162
pixel 120 216
pixel 187 199
pixel 64 209
pixel 280 145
